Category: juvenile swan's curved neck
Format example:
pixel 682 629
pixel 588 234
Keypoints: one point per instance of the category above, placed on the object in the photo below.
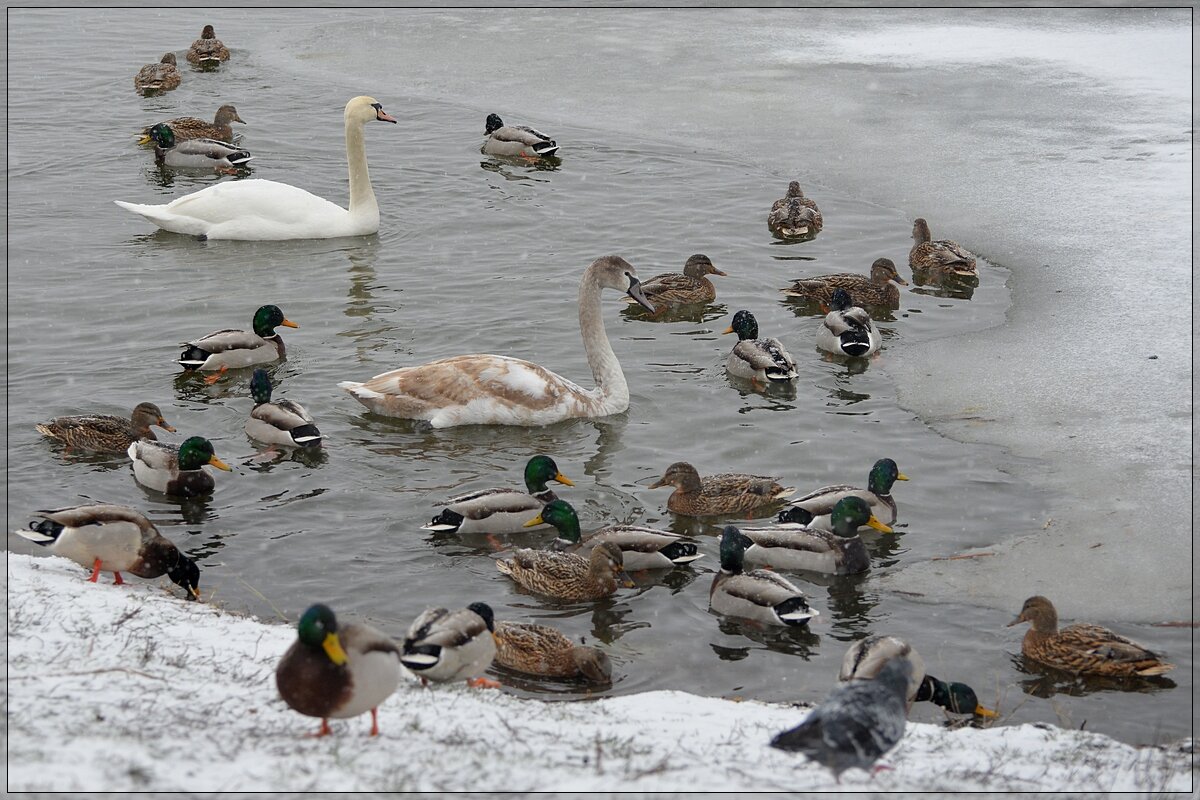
pixel 611 394
pixel 362 197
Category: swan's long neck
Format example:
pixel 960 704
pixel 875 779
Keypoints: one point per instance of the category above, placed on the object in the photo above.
pixel 362 196
pixel 611 393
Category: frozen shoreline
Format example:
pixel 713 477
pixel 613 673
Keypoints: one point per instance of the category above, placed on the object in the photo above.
pixel 124 688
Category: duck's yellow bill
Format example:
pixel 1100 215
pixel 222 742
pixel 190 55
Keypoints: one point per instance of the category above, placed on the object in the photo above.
pixel 219 464
pixel 874 522
pixel 535 521
pixel 333 649
pixel 287 323
pixel 980 711
pixel 563 479
pixel 145 139
pixel 727 330
pixel 900 476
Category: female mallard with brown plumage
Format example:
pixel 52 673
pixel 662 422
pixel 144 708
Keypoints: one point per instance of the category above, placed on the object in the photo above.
pixel 543 651
pixel 866 658
pixel 641 547
pixel 877 290
pixel 175 469
pixel 1082 649
pixel 207 51
pixel 718 495
pixel 568 576
pixel 186 128
pixel 794 214
pixel 793 544
pixel 761 360
pixel 114 539
pixel 676 289
pixel 878 495
pixel 337 671
pixel 443 645
pixel 161 77
pixel 105 433
pixel 759 594
pixel 940 258
pixel 501 510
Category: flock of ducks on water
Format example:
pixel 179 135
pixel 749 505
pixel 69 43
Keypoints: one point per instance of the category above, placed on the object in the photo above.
pixel 336 670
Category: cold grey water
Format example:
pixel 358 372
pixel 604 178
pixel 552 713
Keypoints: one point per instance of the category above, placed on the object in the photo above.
pixel 1044 420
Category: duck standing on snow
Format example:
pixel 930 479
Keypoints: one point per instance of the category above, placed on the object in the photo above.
pixel 938 259
pixel 543 651
pixel 568 576
pixel 847 329
pixel 207 51
pixel 501 510
pixel 196 153
pixel 794 214
pixel 176 469
pixel 760 595
pixel 877 290
pixel 283 422
pixel 641 547
pixel 186 128
pixel 337 671
pixel 878 495
pixel 231 348
pixel 161 77
pixel 680 289
pixel 443 645
pixel 1082 649
pixel 857 723
pixel 794 544
pixel 105 433
pixel 866 657
pixel 116 539
pixel 718 495
pixel 761 360
pixel 516 140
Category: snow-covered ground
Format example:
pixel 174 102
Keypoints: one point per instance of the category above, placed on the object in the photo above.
pixel 124 688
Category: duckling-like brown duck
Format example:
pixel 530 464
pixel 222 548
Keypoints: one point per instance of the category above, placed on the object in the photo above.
pixel 105 433
pixel 938 258
pixel 688 288
pixel 718 495
pixel 877 290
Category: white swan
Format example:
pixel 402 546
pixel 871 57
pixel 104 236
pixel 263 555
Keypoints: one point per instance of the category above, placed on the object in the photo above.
pixel 498 390
pixel 259 210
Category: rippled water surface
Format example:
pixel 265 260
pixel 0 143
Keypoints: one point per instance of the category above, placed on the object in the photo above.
pixel 476 255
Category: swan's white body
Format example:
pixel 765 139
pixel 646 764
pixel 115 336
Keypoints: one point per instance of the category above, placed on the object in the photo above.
pixel 261 210
pixel 498 390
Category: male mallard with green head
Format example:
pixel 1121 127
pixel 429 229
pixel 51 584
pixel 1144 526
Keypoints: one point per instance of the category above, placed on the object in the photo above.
pixel 877 290
pixel 760 360
pixel 516 140
pixel 1082 649
pixel 641 547
pixel 793 544
pixel 283 422
pixel 878 495
pixel 196 153
pixel 760 595
pixel 719 495
pixel 443 645
pixel 848 330
pixel 226 349
pixel 866 657
pixel 176 469
pixel 105 433
pixel 337 671
pixel 501 510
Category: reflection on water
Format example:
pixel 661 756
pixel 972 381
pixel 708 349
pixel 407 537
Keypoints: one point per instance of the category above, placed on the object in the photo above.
pixel 694 312
pixel 791 640
pixel 1048 682
pixel 504 165
pixel 934 283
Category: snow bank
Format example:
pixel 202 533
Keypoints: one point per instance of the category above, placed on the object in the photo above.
pixel 124 688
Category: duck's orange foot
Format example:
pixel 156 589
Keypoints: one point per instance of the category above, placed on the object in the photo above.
pixel 325 730
pixel 374 722
pixel 216 376
pixel 117 579
pixel 95 571
pixel 483 683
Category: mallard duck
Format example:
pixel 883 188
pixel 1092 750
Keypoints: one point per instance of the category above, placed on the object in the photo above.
pixel 848 329
pixel 501 510
pixel 196 153
pixel 762 360
pixel 444 645
pixel 794 545
pixel 544 651
pixel 641 547
pixel 116 539
pixel 794 214
pixel 866 658
pixel 876 290
pixel 856 724
pixel 161 77
pixel 337 671
pixel 675 289
pixel 716 495
pixel 175 469
pixel 207 51
pixel 943 256
pixel 1082 649
pixel 759 594
pixel 568 576
pixel 186 128
pixel 105 433
pixel 515 140
pixel 878 495
pixel 260 210
pixel 498 390
pixel 221 350
pixel 281 422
